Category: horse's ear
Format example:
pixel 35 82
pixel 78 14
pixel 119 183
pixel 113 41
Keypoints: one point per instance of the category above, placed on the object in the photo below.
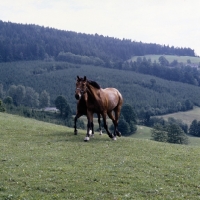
pixel 84 78
pixel 78 78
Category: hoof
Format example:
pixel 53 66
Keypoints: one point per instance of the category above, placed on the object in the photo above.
pixel 90 132
pixel 100 133
pixel 75 132
pixel 119 134
pixel 114 138
pixel 86 139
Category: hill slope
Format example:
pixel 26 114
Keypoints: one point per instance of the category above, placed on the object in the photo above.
pixel 45 161
pixel 137 89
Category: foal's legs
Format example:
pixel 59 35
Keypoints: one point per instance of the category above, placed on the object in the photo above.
pixel 90 126
pixel 75 120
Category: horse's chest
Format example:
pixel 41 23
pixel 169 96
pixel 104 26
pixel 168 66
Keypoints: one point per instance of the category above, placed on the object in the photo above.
pixel 94 106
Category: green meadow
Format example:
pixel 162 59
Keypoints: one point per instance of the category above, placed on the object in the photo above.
pixel 45 161
pixel 186 117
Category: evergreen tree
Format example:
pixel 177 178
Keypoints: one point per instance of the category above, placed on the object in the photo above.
pixel 176 134
pixel 195 128
pixel 123 126
pixel 158 133
pixel 128 113
pixel 171 133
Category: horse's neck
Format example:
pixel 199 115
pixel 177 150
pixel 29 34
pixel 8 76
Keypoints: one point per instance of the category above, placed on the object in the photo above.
pixel 93 93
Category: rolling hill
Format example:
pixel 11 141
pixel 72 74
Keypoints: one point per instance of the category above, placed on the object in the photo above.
pixel 46 161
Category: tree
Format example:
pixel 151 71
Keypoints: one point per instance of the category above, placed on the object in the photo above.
pixel 31 98
pixel 195 128
pixel 163 61
pixel 129 116
pixel 171 133
pixel 128 113
pixel 158 133
pixel 17 93
pixel 8 100
pixel 1 91
pixel 62 106
pixel 44 99
pixel 123 126
pixel 176 134
pixel 2 108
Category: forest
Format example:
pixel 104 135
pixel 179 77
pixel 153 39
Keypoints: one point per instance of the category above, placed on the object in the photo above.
pixel 143 92
pixel 32 42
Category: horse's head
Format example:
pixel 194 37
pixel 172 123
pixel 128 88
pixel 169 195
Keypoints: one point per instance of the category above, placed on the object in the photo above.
pixel 81 87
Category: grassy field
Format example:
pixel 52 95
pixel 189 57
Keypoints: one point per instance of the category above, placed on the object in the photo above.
pixel 186 117
pixel 46 161
pixel 170 58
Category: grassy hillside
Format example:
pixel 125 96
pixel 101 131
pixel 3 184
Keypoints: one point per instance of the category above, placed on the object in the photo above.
pixel 186 117
pixel 46 161
pixel 170 58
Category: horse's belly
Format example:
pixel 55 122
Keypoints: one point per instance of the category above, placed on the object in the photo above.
pixel 112 98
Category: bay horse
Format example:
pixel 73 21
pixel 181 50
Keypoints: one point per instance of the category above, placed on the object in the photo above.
pixel 82 110
pixel 99 100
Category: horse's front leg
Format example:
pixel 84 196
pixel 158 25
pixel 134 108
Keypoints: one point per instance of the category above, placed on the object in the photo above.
pixel 75 129
pixel 75 121
pixel 90 126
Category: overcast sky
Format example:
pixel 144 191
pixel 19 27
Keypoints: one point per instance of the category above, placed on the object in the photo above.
pixel 170 22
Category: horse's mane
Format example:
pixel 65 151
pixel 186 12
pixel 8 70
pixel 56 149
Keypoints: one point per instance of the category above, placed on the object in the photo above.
pixel 94 84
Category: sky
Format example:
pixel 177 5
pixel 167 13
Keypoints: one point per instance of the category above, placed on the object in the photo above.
pixel 165 22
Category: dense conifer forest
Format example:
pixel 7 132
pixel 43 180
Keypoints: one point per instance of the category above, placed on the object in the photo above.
pixel 33 42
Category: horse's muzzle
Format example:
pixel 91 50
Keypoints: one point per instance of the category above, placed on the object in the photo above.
pixel 77 96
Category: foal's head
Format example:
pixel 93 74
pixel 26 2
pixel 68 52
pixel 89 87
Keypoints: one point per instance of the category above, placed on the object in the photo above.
pixel 81 87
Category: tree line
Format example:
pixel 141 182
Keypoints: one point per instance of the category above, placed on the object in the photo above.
pixel 26 96
pixel 32 42
pixel 173 71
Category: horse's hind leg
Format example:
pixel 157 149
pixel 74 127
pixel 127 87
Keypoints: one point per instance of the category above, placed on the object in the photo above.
pixel 110 115
pixel 117 113
pixel 99 121
pixel 106 127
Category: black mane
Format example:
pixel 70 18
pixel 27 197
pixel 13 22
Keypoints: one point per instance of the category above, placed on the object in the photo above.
pixel 94 84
